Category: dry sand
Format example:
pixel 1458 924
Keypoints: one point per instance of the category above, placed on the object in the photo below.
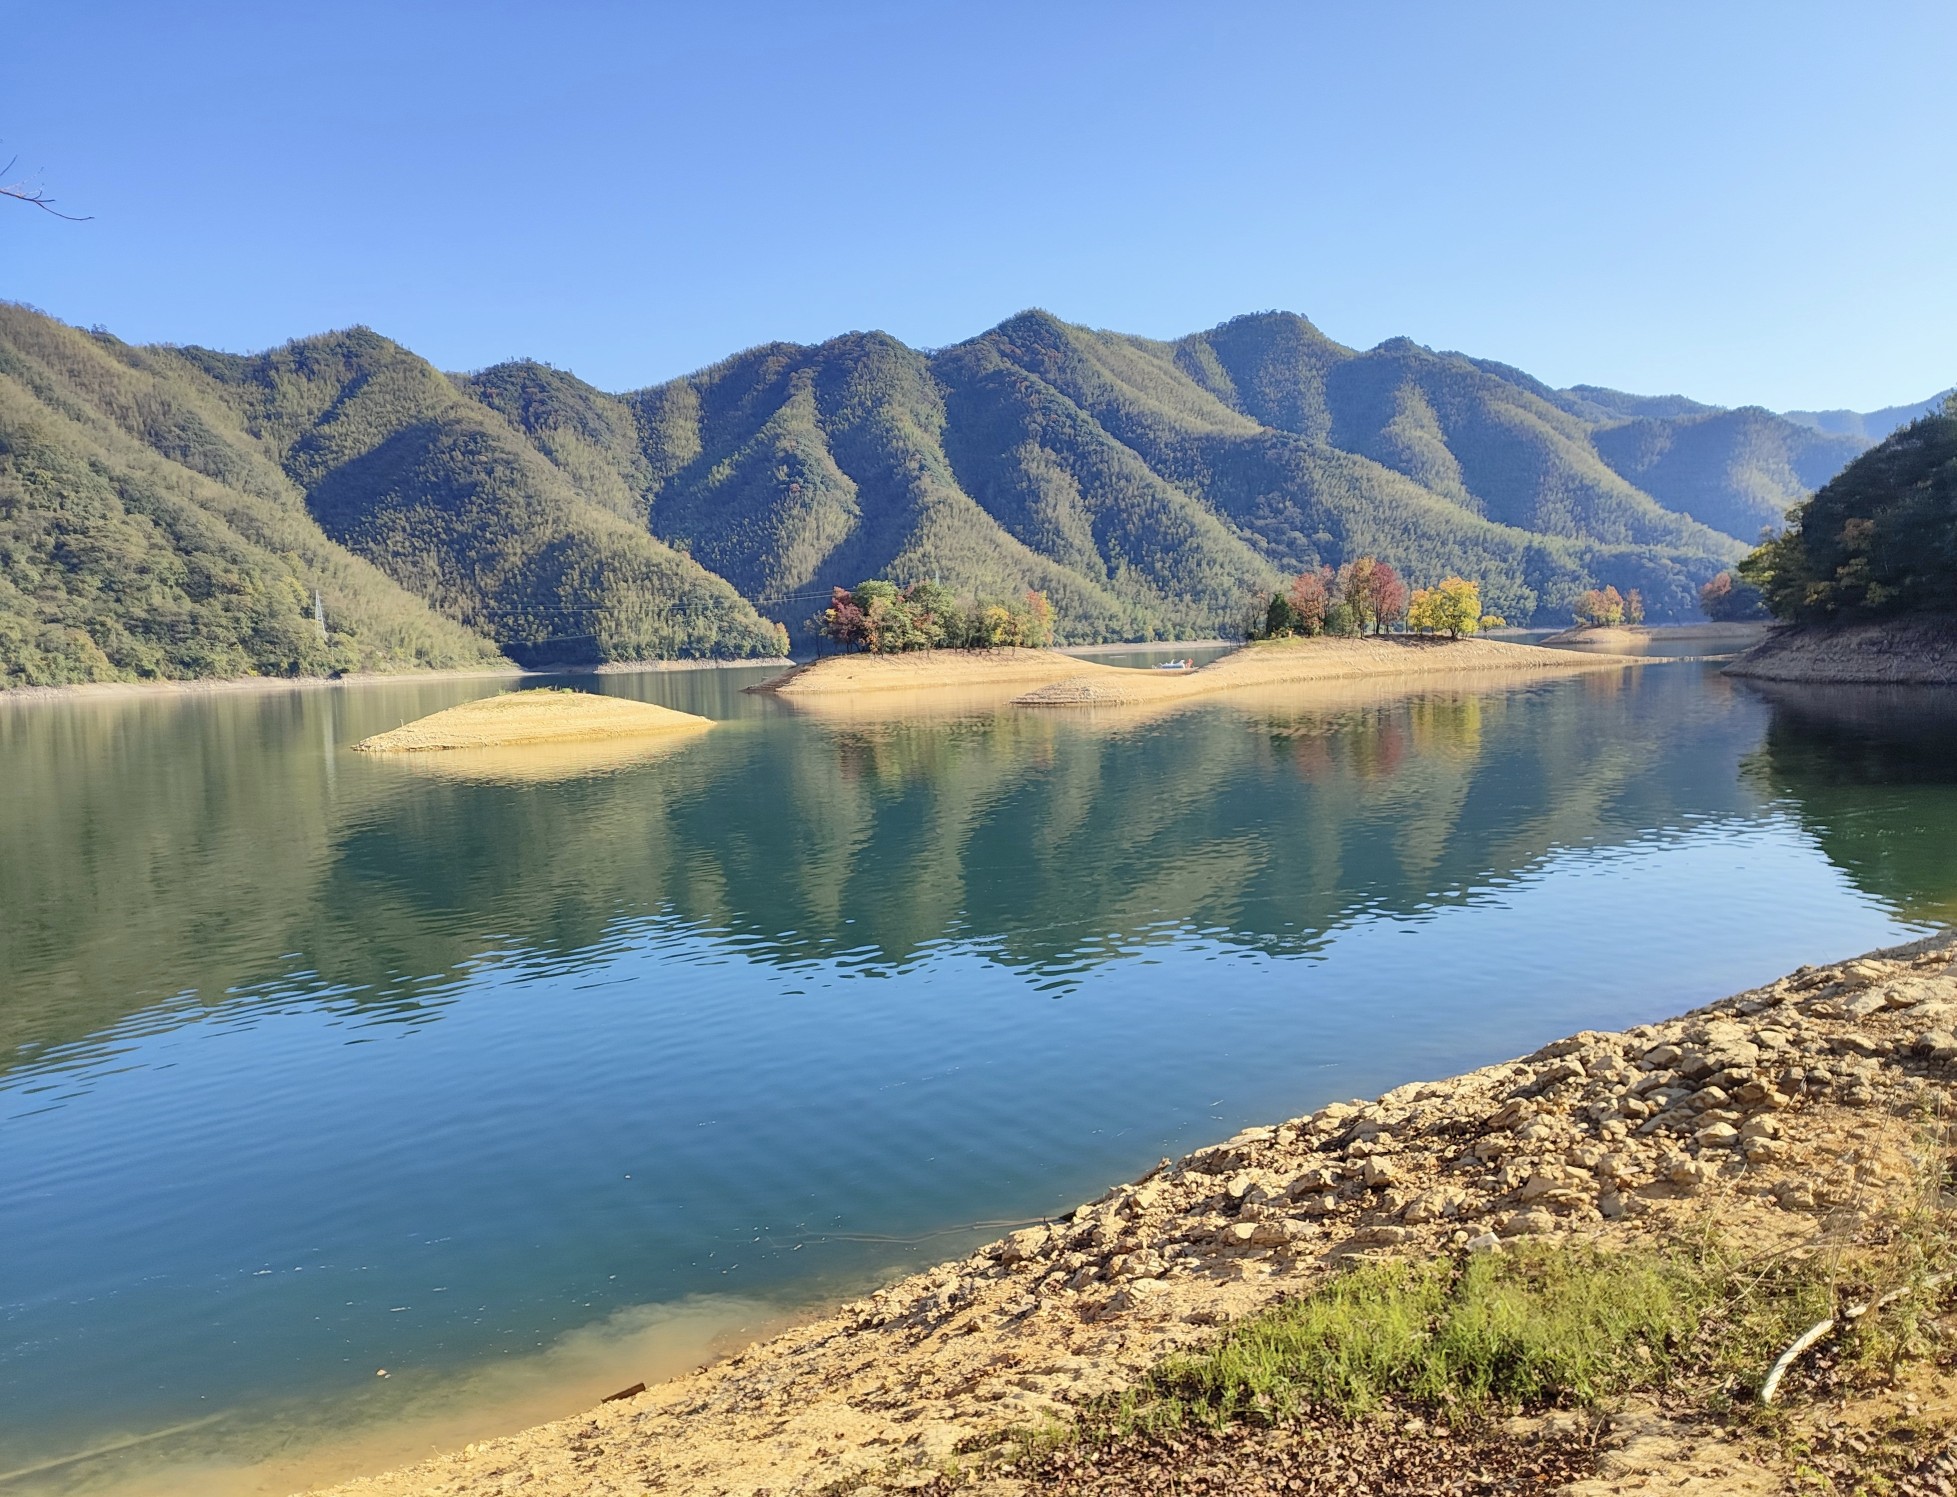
pixel 1640 637
pixel 841 675
pixel 1066 680
pixel 1782 1117
pixel 547 716
pixel 1288 662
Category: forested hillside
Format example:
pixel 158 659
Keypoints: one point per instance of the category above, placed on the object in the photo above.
pixel 1878 540
pixel 172 511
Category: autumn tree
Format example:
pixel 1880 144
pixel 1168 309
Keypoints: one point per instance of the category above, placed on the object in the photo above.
pixel 1453 608
pixel 1309 597
pixel 1386 595
pixel 1355 589
pixel 1727 599
pixel 1599 608
pixel 885 619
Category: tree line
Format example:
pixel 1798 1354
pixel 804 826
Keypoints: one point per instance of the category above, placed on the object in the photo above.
pixel 1368 596
pixel 879 616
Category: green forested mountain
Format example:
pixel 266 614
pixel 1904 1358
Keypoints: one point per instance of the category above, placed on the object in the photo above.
pixel 1739 471
pixel 172 511
pixel 1878 539
pixel 140 538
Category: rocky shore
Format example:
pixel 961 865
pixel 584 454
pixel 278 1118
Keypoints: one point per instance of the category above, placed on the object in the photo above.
pixel 1779 1117
pixel 1919 651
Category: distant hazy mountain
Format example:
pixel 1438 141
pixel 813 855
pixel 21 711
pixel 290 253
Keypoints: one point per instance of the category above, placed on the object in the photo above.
pixel 173 511
pixel 1869 426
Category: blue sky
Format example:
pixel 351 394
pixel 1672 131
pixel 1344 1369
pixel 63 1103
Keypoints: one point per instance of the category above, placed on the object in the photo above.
pixel 1741 202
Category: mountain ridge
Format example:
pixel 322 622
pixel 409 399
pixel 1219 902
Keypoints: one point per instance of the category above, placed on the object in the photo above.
pixel 1151 487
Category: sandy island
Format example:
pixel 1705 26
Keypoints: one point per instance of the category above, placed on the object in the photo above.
pixel 1294 662
pixel 1782 1118
pixel 1716 636
pixel 545 716
pixel 914 670
pixel 1066 680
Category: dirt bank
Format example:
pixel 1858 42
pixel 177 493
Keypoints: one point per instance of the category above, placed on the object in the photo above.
pixel 1287 662
pixel 1774 1118
pixel 1886 652
pixel 109 690
pixel 1637 637
pixel 845 675
pixel 520 718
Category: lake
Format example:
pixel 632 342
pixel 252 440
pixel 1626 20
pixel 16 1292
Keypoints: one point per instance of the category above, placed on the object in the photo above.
pixel 521 1087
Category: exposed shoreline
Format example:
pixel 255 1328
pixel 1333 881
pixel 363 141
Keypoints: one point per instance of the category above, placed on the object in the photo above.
pixel 1740 1115
pixel 1298 662
pixel 1737 634
pixel 110 690
pixel 517 719
pixel 1915 651
pixel 1060 679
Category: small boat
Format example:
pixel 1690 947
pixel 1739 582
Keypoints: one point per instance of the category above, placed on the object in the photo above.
pixel 1174 665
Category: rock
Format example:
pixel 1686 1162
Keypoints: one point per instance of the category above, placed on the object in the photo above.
pixel 1380 1236
pixel 1277 1233
pixel 1541 1183
pixel 1530 1223
pixel 1323 1177
pixel 1138 1294
pixel 1022 1246
pixel 1938 1045
pixel 1486 1242
pixel 1861 1006
pixel 1377 1174
pixel 1762 1150
pixel 1561 1071
pixel 1662 1057
pixel 1794 1195
pixel 1443 1204
pixel 1718 1136
pixel 1689 1175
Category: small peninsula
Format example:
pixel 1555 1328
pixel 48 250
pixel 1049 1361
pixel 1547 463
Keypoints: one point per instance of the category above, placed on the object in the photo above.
pixel 1862 577
pixel 1298 662
pixel 545 715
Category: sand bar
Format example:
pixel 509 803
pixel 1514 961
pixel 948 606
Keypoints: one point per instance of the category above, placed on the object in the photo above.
pixel 914 670
pixel 547 715
pixel 1286 662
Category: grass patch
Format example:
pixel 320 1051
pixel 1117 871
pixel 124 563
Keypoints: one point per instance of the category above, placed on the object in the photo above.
pixel 1529 1328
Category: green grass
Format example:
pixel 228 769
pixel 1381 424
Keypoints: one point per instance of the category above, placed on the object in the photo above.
pixel 1524 1329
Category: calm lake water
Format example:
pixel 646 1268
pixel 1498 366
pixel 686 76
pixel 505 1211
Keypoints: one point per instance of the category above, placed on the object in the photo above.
pixel 314 1064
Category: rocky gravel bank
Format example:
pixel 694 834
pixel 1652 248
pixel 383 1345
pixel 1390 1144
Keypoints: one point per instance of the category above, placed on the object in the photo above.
pixel 1780 1114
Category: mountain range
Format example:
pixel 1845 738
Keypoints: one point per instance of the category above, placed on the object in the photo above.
pixel 339 503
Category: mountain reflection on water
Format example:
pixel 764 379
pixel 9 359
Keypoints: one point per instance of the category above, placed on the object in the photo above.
pixel 317 1062
pixel 1872 773
pixel 183 852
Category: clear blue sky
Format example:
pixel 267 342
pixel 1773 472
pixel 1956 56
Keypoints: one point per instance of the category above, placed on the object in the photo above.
pixel 1742 202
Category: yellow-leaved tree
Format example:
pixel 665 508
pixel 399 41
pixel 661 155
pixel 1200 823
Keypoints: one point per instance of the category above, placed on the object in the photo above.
pixel 1452 608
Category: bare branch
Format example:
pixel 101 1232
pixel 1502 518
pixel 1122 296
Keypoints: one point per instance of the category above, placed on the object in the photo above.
pixel 20 192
